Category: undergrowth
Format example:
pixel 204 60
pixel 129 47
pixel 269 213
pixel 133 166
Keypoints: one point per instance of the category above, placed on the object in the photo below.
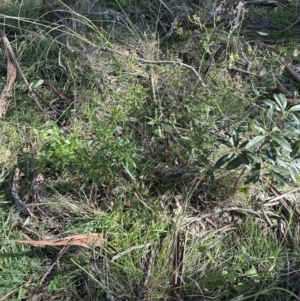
pixel 135 96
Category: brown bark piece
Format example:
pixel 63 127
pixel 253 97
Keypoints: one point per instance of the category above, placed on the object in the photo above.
pixel 84 240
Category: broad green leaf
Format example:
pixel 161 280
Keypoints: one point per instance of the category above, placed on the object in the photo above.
pixel 282 142
pixel 271 103
pixel 293 133
pixel 236 162
pixel 295 148
pixel 280 170
pixel 253 157
pixel 281 179
pixel 252 177
pixel 293 173
pixel 223 160
pixel 294 108
pixel 281 100
pixel 225 142
pixel 255 142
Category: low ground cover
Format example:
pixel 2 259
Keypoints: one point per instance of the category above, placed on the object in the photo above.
pixel 146 123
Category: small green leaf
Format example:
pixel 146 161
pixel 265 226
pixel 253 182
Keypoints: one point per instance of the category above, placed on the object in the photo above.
pixel 255 142
pixel 294 108
pixel 282 142
pixel 252 177
pixel 223 160
pixel 251 272
pixel 281 100
pixel 236 162
pixel 36 83
pixel 244 190
pixel 236 138
pixel 242 127
pixel 225 142
pixel 281 179
pixel 271 117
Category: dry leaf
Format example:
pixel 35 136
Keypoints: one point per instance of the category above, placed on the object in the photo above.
pixel 91 239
